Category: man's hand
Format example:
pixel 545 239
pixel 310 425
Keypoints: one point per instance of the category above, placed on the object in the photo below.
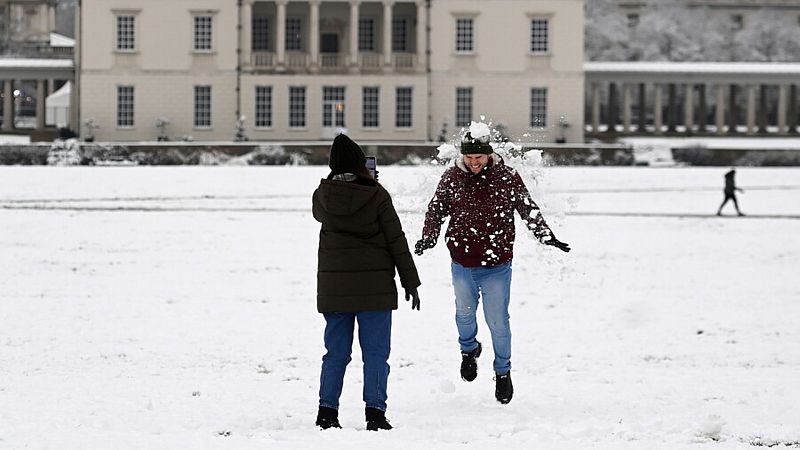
pixel 413 295
pixel 551 240
pixel 424 244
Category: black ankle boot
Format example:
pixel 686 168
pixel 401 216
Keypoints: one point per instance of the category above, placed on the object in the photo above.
pixel 376 419
pixel 469 365
pixel 504 390
pixel 328 418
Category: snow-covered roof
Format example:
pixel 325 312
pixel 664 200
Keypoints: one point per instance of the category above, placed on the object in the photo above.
pixel 59 40
pixel 35 63
pixel 694 67
pixel 36 68
pixel 686 71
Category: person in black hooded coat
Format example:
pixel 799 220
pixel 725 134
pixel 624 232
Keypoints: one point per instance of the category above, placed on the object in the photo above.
pixel 361 245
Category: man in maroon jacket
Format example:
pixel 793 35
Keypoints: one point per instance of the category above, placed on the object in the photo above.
pixel 480 194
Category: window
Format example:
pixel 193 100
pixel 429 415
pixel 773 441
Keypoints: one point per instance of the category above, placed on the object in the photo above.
pixel 126 33
pixel 370 107
pixel 203 33
pixel 202 106
pixel 263 106
pixel 463 106
pixel 294 34
pixel 464 36
pixel 260 34
pixel 333 106
pixel 366 35
pixel 738 21
pixel 125 99
pixel 297 107
pixel 400 34
pixel 540 36
pixel 538 107
pixel 403 108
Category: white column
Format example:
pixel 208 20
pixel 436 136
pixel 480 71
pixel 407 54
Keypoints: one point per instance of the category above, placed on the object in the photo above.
pixel 720 114
pixel 74 97
pixel 751 109
pixel 595 107
pixel 783 106
pixel 41 93
pixel 626 108
pixel 354 4
pixel 689 107
pixel 247 33
pixel 658 119
pixel 280 38
pixel 8 105
pixel 387 33
pixel 422 25
pixel 314 35
pixel 44 20
pixel 51 16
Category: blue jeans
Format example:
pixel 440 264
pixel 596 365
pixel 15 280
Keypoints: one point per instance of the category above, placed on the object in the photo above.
pixel 374 335
pixel 494 285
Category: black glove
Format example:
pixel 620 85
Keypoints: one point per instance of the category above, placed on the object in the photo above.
pixel 424 244
pixel 413 295
pixel 551 240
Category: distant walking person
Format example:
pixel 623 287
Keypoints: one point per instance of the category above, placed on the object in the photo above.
pixel 730 192
pixel 361 244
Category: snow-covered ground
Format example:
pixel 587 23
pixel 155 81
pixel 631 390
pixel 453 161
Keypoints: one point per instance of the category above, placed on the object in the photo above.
pixel 174 307
pixel 14 139
pixel 738 143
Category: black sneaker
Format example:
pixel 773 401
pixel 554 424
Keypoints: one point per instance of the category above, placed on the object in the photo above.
pixel 328 418
pixel 469 367
pixel 376 420
pixel 504 389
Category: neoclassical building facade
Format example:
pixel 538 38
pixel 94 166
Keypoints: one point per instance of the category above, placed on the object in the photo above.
pixel 286 70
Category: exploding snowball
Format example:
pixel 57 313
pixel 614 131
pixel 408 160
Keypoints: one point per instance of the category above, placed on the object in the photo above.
pixel 447 151
pixel 479 130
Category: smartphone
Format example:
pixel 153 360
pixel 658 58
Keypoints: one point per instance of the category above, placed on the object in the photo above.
pixel 372 166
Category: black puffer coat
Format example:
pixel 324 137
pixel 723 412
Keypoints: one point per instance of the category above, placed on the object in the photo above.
pixel 361 242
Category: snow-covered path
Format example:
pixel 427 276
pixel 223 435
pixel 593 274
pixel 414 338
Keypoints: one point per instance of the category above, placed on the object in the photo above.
pixel 174 308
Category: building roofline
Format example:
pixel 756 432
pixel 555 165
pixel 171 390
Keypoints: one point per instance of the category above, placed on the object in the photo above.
pixel 664 71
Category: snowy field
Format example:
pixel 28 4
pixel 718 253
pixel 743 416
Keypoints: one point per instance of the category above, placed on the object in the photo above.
pixel 174 308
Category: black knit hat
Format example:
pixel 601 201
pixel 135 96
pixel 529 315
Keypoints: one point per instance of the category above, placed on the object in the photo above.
pixel 346 156
pixel 470 145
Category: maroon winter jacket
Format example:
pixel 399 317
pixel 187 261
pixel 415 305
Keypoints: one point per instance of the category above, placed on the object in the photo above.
pixel 481 209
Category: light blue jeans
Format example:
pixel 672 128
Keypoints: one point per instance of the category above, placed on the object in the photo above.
pixel 493 284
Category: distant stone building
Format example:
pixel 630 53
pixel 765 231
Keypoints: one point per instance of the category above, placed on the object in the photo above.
pixel 26 23
pixel 34 62
pixel 737 11
pixel 292 70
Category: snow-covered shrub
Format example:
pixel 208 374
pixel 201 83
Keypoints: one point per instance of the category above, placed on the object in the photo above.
pixel 266 155
pixel 24 155
pixel 695 156
pixel 65 153
pixel 769 158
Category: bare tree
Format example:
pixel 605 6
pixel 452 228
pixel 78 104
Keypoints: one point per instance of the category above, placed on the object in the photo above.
pixel 768 37
pixel 608 35
pixel 65 17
